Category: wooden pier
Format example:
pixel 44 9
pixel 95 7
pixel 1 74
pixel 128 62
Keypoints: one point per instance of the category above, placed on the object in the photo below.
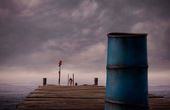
pixel 52 97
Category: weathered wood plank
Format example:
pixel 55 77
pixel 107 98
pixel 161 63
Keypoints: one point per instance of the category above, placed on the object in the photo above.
pixel 53 97
pixel 65 98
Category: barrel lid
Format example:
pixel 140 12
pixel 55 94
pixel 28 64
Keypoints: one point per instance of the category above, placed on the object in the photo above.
pixel 121 34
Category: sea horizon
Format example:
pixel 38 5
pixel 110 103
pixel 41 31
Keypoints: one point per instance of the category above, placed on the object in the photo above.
pixel 13 93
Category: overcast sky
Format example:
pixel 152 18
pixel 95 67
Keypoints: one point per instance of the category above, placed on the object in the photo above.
pixel 36 34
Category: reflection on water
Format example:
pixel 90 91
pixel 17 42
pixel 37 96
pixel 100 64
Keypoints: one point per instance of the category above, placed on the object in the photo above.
pixel 111 106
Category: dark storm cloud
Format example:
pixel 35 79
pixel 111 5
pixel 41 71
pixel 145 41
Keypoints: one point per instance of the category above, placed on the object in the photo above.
pixel 36 33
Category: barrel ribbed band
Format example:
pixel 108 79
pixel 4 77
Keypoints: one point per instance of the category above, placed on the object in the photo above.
pixel 125 66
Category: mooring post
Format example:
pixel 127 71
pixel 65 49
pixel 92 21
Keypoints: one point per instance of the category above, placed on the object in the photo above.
pixel 44 81
pixel 127 67
pixel 95 81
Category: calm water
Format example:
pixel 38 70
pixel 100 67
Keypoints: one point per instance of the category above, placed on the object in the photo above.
pixel 12 94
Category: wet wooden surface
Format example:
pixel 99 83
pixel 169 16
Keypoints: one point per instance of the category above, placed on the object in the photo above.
pixel 53 97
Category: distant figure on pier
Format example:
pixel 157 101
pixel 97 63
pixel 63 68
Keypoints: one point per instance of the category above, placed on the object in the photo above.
pixel 71 82
pixel 76 84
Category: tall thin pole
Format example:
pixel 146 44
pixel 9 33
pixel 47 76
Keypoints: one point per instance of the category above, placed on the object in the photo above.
pixel 59 72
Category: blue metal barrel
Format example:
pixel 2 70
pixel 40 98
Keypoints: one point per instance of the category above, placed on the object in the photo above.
pixel 127 82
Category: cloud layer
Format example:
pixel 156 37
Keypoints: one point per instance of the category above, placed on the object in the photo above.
pixel 36 34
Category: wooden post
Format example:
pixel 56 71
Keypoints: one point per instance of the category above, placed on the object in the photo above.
pixel 44 81
pixel 95 81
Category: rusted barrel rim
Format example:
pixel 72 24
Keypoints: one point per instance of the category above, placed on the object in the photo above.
pixel 121 34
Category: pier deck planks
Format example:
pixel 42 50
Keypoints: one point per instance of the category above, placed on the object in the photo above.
pixel 52 97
